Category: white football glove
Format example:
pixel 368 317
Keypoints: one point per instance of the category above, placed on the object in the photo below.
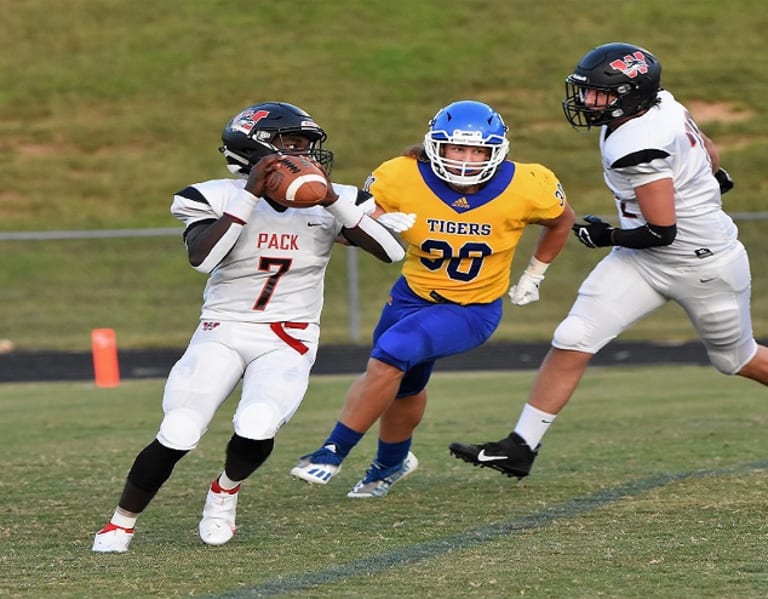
pixel 527 289
pixel 397 221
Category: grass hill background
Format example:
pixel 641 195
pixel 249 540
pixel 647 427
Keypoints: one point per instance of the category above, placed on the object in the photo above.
pixel 109 106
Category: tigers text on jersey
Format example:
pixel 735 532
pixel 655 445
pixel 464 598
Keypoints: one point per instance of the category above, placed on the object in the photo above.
pixel 275 270
pixel 462 246
pixel 665 143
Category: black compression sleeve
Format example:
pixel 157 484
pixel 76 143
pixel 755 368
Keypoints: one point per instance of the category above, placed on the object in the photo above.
pixel 151 468
pixel 646 236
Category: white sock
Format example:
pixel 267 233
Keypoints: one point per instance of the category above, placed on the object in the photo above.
pixel 532 425
pixel 123 521
pixel 227 483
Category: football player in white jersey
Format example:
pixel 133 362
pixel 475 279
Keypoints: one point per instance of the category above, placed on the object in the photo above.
pixel 674 243
pixel 260 317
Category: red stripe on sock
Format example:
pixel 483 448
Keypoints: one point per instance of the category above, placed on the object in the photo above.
pixel 111 526
pixel 216 488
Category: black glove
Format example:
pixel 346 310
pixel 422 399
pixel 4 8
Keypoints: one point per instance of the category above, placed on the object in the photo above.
pixel 725 181
pixel 596 233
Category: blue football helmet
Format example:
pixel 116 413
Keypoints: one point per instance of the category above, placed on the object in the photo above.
pixel 466 123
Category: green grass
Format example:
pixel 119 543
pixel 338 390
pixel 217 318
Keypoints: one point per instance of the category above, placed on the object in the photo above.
pixel 108 107
pixel 651 484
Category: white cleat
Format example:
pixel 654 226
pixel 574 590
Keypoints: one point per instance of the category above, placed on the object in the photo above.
pixel 318 467
pixel 316 474
pixel 112 539
pixel 218 524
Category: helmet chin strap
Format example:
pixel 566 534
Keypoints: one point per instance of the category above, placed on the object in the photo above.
pixel 234 169
pixel 236 164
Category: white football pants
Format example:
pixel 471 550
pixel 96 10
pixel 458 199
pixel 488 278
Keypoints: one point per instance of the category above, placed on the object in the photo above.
pixel 625 286
pixel 268 358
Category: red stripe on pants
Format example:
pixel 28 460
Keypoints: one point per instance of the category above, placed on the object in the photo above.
pixel 279 330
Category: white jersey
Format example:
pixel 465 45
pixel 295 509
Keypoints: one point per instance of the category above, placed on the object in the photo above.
pixel 275 271
pixel 665 143
pixel 705 270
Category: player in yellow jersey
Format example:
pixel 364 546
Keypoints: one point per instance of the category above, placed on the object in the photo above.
pixel 471 206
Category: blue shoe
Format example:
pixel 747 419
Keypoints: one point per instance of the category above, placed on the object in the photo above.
pixel 319 466
pixel 378 480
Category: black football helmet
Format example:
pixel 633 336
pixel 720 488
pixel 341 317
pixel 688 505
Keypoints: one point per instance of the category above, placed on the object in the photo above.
pixel 628 72
pixel 256 132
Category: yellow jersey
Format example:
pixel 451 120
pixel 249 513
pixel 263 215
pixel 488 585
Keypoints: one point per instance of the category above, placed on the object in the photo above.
pixel 462 245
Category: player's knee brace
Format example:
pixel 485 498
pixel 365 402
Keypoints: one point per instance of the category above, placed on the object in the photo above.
pixel 727 347
pixel 733 359
pixel 570 333
pixel 244 456
pixel 151 468
pixel 181 429
pixel 722 363
pixel 575 333
pixel 258 421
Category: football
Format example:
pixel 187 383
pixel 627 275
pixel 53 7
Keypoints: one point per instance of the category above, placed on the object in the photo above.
pixel 296 182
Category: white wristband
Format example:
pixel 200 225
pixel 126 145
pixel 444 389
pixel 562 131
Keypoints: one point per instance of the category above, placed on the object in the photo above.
pixel 346 212
pixel 241 206
pixel 536 267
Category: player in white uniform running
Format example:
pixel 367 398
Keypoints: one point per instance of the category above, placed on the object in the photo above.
pixel 674 243
pixel 261 312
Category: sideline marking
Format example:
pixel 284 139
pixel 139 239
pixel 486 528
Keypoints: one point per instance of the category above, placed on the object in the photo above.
pixel 477 536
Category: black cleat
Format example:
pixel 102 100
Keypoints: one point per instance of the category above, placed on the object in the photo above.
pixel 511 456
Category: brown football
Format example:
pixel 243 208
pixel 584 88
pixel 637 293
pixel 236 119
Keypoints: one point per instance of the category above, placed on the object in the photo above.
pixel 296 182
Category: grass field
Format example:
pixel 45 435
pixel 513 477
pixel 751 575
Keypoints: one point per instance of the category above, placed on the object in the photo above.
pixel 651 484
pixel 108 107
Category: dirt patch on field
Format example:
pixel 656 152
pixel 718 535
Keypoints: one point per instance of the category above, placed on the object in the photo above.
pixel 724 112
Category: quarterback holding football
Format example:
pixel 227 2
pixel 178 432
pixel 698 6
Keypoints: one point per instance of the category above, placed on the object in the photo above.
pixel 259 323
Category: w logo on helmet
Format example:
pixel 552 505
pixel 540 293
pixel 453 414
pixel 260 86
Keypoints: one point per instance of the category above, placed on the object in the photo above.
pixel 631 64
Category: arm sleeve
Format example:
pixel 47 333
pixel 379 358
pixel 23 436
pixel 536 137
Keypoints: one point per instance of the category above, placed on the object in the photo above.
pixel 362 230
pixel 206 234
pixel 377 240
pixel 209 240
pixel 644 237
